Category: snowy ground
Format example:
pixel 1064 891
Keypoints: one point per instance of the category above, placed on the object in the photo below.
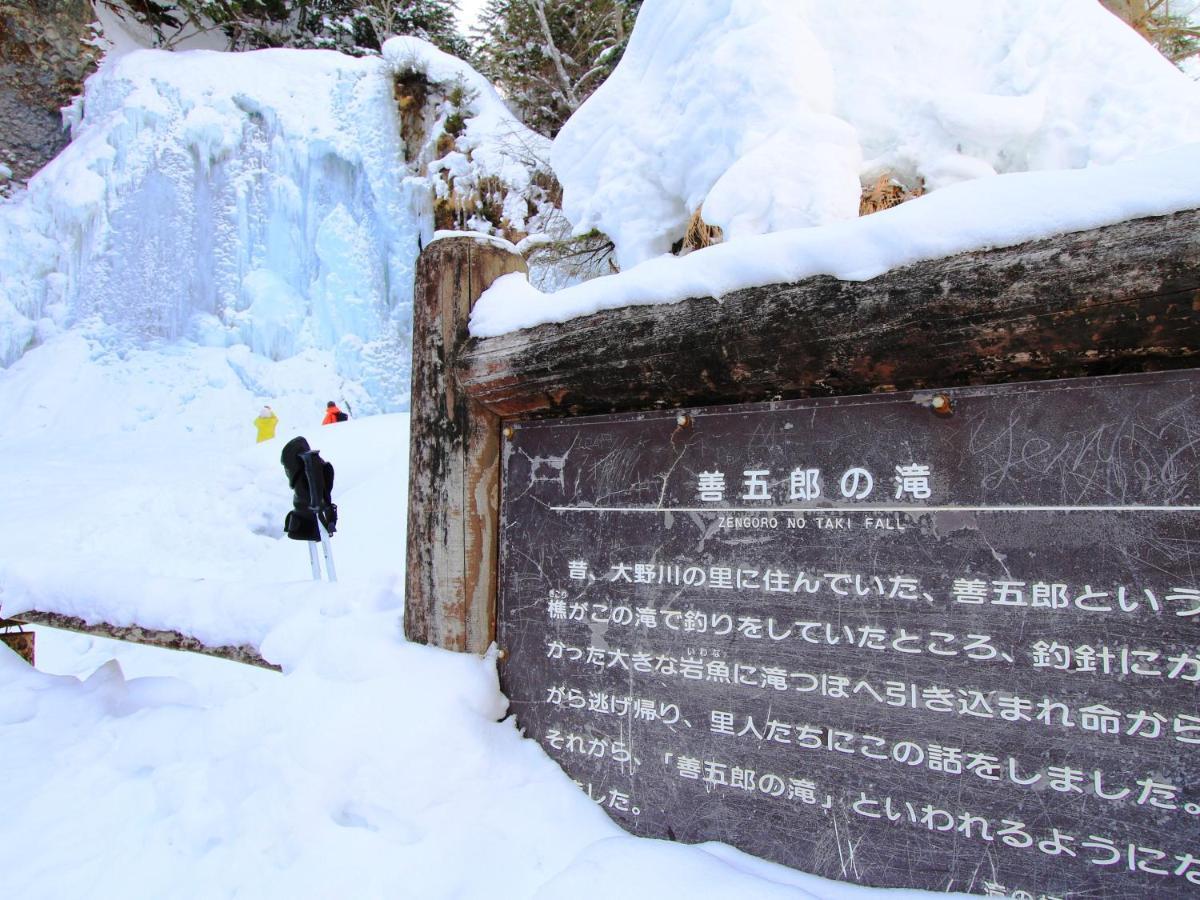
pixel 134 492
pixel 370 768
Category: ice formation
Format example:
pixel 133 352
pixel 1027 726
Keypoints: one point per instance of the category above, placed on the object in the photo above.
pixel 770 116
pixel 268 199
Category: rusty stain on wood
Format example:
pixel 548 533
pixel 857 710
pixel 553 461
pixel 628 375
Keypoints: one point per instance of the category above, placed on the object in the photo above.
pixel 23 643
pixel 454 456
pixel 152 637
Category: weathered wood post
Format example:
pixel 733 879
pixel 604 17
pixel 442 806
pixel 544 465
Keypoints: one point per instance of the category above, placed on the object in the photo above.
pixel 685 554
pixel 454 475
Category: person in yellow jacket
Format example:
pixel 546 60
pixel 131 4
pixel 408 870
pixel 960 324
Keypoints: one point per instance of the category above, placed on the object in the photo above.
pixel 265 423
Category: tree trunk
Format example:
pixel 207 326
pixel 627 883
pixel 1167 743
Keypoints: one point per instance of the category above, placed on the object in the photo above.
pixel 152 637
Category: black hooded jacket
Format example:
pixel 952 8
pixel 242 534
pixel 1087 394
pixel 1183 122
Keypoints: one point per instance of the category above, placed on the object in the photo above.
pixel 304 467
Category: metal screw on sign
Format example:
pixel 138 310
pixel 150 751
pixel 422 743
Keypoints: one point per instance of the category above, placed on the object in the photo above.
pixel 682 422
pixel 509 431
pixel 942 405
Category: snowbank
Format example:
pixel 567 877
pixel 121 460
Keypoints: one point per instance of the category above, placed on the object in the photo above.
pixel 264 199
pixel 371 768
pixel 772 115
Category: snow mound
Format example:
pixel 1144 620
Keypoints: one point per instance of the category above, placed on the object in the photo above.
pixel 362 770
pixel 771 116
pixel 267 199
pixel 493 144
pixel 1021 207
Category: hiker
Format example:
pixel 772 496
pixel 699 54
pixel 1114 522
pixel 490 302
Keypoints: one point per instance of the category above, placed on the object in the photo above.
pixel 333 414
pixel 301 523
pixel 265 423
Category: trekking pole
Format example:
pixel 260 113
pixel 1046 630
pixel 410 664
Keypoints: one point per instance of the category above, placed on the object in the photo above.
pixel 325 546
pixel 316 503
pixel 312 558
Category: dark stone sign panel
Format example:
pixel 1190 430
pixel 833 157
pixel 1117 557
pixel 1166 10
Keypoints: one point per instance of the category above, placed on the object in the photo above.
pixel 943 641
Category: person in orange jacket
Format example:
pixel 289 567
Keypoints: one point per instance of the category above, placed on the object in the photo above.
pixel 333 414
pixel 265 424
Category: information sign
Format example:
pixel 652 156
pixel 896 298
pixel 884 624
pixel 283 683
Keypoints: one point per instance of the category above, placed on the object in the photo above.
pixel 930 640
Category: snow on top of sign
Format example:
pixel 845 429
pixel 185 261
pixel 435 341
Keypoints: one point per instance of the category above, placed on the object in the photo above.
pixel 771 116
pixel 993 212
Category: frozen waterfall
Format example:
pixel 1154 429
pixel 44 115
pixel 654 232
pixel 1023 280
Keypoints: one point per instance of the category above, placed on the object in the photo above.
pixel 260 198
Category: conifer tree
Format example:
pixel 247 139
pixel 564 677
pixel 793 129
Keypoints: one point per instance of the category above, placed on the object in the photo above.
pixel 547 56
pixel 1172 27
pixel 354 26
pixel 432 20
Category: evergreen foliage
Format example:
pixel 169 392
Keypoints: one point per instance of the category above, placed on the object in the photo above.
pixel 353 26
pixel 547 56
pixel 1171 27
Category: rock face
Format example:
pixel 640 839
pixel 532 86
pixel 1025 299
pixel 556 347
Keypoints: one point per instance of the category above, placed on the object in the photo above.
pixel 43 61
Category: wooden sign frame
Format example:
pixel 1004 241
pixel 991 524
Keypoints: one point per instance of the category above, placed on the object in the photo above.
pixel 1119 299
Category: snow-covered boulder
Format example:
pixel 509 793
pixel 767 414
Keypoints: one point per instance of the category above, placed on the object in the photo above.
pixel 772 115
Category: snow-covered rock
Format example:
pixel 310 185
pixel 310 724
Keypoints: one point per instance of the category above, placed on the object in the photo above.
pixel 771 115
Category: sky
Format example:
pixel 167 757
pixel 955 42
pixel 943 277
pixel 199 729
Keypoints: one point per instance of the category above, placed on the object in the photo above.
pixel 468 12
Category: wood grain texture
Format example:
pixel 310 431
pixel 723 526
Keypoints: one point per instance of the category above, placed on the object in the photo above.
pixel 152 637
pixel 1118 299
pixel 454 450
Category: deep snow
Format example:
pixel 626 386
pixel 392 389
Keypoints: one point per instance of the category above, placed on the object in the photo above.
pixel 371 768
pixel 1021 119
pixel 229 231
pixel 772 116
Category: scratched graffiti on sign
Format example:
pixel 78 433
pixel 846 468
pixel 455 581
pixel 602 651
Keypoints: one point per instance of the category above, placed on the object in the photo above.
pixel 900 642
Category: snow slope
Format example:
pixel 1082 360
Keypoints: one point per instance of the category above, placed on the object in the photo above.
pixel 772 115
pixel 371 768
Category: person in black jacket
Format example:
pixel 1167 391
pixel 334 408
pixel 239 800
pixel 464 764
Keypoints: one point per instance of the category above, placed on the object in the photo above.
pixel 311 481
